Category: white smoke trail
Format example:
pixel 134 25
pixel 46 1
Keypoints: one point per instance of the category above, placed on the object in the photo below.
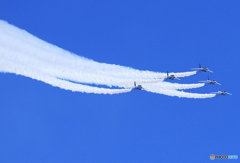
pixel 63 72
pixel 25 54
pixel 167 85
pixel 179 93
pixel 58 71
pixel 49 53
pixel 11 67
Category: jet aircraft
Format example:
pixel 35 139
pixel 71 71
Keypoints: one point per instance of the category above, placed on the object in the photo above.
pixel 211 82
pixel 137 87
pixel 221 93
pixel 171 77
pixel 204 69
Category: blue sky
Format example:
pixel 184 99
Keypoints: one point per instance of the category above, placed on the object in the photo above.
pixel 41 123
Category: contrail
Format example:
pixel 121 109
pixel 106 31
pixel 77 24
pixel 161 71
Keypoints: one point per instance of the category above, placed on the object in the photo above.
pixel 24 54
pixel 179 93
pixel 11 67
pixel 167 85
pixel 67 73
pixel 33 46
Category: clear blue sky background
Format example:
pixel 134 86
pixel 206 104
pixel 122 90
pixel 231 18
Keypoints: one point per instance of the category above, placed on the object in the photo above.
pixel 41 123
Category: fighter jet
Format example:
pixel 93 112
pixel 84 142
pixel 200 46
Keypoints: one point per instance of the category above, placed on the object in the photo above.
pixel 137 87
pixel 171 77
pixel 204 69
pixel 211 82
pixel 221 93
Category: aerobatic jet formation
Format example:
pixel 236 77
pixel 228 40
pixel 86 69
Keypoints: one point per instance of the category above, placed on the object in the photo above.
pixel 221 92
pixel 50 64
pixel 137 87
pixel 171 77
pixel 204 69
pixel 211 82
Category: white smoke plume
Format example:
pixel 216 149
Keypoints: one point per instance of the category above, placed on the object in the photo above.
pixel 167 85
pixel 20 69
pixel 24 54
pixel 39 49
pixel 179 93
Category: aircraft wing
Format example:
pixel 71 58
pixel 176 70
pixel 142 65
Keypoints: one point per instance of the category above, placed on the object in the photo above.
pixel 196 68
pixel 218 83
pixel 210 71
pixel 229 93
pixel 177 78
